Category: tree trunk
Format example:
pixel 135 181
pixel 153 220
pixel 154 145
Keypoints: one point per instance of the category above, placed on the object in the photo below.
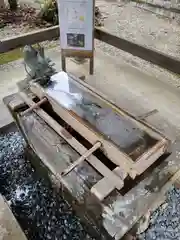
pixel 13 4
pixel 2 5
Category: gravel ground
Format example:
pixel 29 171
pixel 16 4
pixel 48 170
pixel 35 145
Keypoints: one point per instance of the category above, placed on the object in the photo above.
pixel 125 20
pixel 164 222
pixel 141 26
pixel 41 214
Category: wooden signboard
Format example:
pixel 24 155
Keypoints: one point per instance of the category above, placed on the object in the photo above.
pixel 76 21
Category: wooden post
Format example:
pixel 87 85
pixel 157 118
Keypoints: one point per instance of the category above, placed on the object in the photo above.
pixel 63 62
pixel 91 67
pixel 2 5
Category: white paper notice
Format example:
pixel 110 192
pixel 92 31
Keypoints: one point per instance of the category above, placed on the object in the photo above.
pixel 76 24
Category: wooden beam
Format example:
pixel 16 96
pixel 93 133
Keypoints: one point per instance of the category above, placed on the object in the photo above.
pixel 103 188
pixel 156 57
pixel 33 37
pixel 148 54
pixel 149 157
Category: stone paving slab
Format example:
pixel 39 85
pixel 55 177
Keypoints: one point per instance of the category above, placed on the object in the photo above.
pixel 5 116
pixel 9 227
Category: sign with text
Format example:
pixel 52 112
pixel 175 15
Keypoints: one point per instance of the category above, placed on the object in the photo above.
pixel 76 19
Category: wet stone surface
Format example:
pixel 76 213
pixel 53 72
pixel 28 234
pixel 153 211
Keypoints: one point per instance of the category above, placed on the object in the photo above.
pixel 164 222
pixel 40 213
pixel 99 116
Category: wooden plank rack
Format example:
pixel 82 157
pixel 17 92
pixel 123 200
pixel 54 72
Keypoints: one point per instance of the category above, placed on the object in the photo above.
pixel 95 150
pixel 131 145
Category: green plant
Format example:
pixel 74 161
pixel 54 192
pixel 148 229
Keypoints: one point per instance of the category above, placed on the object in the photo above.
pixel 49 11
pixel 10 56
pixel 13 4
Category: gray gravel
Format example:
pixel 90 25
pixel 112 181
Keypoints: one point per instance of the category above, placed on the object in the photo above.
pixel 164 222
pixel 141 26
pixel 41 213
pixel 125 20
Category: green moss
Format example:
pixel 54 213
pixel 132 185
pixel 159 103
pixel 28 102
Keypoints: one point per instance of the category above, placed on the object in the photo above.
pixel 10 56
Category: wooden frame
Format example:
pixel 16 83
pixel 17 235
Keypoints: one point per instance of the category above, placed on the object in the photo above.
pixel 110 150
pixel 113 179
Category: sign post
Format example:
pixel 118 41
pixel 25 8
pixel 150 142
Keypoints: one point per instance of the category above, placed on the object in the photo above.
pixel 76 20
